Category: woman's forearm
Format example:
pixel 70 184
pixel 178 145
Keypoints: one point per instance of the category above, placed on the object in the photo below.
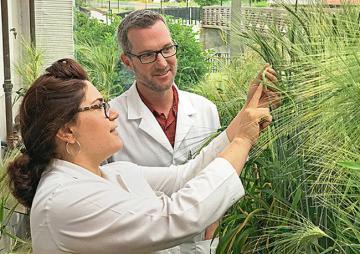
pixel 236 153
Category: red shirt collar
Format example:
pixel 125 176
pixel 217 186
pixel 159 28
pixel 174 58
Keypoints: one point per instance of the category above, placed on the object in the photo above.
pixel 174 106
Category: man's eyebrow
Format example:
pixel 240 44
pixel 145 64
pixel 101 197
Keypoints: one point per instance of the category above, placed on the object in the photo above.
pixel 151 51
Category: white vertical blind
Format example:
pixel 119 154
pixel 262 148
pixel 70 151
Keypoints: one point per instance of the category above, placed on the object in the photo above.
pixel 54 29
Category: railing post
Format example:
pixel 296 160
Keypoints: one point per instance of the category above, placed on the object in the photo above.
pixel 7 72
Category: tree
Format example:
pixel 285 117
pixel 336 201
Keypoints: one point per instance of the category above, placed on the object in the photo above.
pixel 207 2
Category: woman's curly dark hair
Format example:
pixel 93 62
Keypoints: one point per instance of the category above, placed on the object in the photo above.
pixel 51 102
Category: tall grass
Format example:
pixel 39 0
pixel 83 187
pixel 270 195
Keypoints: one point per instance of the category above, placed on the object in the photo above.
pixel 10 241
pixel 97 51
pixel 28 68
pixel 302 195
pixel 102 64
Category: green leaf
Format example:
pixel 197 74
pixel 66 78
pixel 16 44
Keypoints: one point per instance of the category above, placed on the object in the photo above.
pixel 349 165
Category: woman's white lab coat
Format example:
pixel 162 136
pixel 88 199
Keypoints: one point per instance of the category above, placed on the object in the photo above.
pixel 132 209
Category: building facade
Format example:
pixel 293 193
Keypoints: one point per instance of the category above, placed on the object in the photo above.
pixel 51 25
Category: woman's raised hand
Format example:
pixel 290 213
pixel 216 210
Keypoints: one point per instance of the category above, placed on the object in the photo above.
pixel 244 130
pixel 247 124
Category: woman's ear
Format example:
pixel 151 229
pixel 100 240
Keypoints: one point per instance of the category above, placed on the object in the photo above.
pixel 66 134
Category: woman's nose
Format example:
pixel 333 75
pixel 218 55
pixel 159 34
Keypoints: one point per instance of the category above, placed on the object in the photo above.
pixel 113 115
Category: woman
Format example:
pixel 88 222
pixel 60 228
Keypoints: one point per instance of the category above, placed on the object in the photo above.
pixel 77 206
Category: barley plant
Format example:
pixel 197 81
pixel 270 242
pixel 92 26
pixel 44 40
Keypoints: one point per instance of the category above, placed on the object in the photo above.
pixel 97 51
pixel 302 179
pixel 14 234
pixel 28 68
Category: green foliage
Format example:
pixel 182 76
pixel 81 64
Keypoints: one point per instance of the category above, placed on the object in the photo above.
pixel 80 3
pixel 302 179
pixel 89 29
pixel 261 4
pixel 207 2
pixel 8 204
pixel 228 88
pixel 29 68
pixel 96 49
pixel 192 64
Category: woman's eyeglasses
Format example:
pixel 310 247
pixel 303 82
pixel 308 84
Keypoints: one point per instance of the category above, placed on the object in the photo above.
pixel 103 105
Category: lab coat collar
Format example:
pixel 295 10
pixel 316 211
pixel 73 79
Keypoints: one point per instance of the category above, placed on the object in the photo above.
pixel 138 110
pixel 69 168
pixel 77 172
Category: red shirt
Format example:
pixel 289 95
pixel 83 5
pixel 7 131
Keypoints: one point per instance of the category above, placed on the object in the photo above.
pixel 167 124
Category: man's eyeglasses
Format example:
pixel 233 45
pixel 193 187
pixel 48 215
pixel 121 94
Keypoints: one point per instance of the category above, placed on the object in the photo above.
pixel 150 57
pixel 103 105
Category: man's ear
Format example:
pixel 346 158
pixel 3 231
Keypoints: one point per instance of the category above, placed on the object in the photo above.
pixel 126 60
pixel 66 134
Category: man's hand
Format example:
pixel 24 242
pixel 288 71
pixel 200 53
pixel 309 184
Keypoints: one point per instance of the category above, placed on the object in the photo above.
pixel 210 231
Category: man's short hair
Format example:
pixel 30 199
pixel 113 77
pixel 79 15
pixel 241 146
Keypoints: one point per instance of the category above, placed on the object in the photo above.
pixel 136 19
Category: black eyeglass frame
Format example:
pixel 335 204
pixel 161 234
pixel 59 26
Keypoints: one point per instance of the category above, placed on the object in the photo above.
pixel 104 105
pixel 156 53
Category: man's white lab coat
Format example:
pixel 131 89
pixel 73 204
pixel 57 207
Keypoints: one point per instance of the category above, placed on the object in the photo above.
pixel 145 143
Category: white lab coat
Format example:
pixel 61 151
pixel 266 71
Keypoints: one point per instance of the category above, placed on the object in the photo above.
pixel 146 143
pixel 133 209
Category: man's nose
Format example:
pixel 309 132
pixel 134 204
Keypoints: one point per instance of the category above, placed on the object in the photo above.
pixel 160 60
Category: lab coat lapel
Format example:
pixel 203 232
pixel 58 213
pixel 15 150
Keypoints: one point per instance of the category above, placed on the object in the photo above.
pixel 184 120
pixel 138 110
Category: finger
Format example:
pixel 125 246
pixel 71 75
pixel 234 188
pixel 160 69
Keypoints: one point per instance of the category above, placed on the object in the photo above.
pixel 258 115
pixel 266 99
pixel 264 103
pixel 273 98
pixel 254 101
pixel 265 119
pixel 275 102
pixel 271 76
pixel 267 65
pixel 262 112
pixel 259 76
pixel 271 70
pixel 264 125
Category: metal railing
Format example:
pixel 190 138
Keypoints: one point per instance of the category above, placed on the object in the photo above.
pixel 218 60
pixel 216 16
pixel 187 15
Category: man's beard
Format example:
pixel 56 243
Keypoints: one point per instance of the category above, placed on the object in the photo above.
pixel 149 83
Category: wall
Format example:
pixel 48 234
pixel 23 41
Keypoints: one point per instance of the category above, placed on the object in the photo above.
pixel 54 29
pixel 18 12
pixel 215 28
pixel 214 38
pixel 54 37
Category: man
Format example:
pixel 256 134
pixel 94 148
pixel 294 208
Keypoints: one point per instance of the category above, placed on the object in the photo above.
pixel 164 125
pixel 160 124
